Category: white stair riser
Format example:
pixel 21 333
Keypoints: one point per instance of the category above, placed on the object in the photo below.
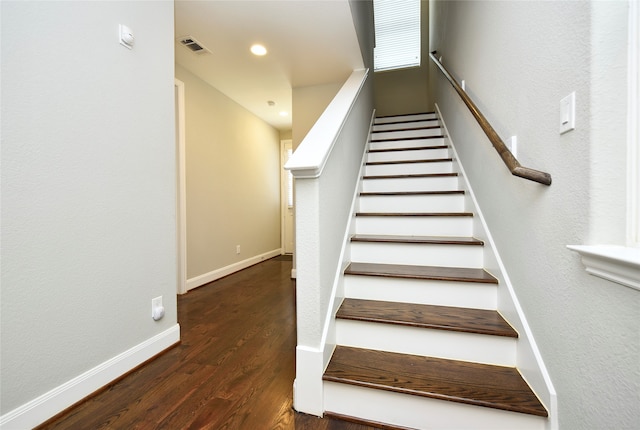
pixel 479 348
pixel 406 133
pixel 413 143
pixel 425 292
pixel 413 117
pixel 417 254
pixel 409 168
pixel 414 154
pixel 421 412
pixel 412 203
pixel 424 154
pixel 407 125
pixel 438 183
pixel 415 226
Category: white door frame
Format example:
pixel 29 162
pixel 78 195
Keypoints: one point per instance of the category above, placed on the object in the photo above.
pixel 181 190
pixel 283 194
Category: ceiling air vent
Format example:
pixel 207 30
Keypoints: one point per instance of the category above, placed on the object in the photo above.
pixel 193 45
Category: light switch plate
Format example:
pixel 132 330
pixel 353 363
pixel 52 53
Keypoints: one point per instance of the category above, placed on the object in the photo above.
pixel 568 113
pixel 512 144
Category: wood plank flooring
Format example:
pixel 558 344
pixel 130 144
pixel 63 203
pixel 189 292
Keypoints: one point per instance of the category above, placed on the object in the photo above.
pixel 234 368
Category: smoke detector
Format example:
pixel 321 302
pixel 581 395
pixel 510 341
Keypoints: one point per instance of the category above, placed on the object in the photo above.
pixel 193 45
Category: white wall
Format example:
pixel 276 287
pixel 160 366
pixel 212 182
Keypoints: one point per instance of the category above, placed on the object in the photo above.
pixel 88 189
pixel 233 182
pixel 519 59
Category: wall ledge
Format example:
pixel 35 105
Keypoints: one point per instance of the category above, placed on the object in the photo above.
pixel 619 264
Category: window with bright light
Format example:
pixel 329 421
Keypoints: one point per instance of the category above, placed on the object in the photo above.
pixel 397 32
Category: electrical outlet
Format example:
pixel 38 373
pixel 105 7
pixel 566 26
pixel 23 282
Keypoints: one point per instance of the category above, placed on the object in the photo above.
pixel 157 309
pixel 237 249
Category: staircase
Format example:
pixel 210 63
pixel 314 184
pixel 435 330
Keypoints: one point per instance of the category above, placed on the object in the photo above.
pixel 420 343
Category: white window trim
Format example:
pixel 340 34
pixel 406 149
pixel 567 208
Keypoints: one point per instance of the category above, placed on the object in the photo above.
pixel 621 264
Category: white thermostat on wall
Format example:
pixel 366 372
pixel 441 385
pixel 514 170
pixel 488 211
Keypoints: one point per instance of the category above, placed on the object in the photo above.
pixel 126 36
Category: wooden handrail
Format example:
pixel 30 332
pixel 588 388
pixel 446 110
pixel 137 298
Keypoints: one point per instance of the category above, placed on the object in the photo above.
pixel 512 164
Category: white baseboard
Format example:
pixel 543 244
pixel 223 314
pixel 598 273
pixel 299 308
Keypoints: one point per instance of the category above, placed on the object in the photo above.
pixel 57 400
pixel 307 387
pixel 228 270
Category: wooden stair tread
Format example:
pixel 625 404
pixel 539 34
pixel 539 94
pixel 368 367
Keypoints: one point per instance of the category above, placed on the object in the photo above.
pixel 458 381
pixel 440 240
pixel 409 193
pixel 479 321
pixel 427 160
pixel 407 148
pixel 436 273
pixel 415 214
pixel 410 176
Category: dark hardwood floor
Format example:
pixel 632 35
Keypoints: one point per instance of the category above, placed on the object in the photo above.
pixel 234 368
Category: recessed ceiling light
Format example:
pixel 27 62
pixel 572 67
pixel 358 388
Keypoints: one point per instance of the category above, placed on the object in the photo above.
pixel 283 113
pixel 258 50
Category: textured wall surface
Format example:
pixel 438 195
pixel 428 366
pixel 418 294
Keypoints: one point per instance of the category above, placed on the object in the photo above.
pixel 88 187
pixel 518 60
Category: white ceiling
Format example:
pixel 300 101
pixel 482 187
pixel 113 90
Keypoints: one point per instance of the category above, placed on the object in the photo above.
pixel 309 42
